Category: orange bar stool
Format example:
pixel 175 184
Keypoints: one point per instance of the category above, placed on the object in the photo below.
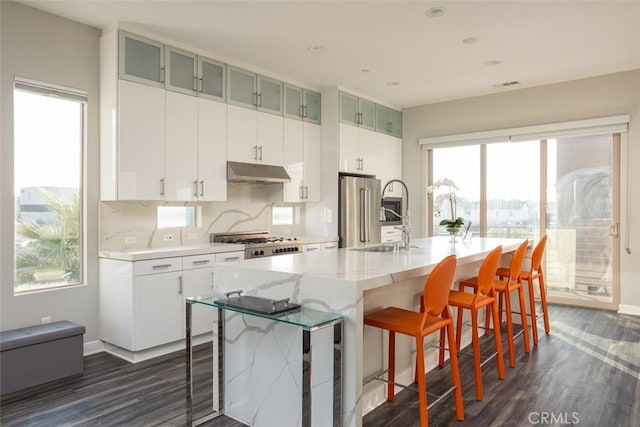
pixel 436 317
pixel 483 297
pixel 504 288
pixel 534 272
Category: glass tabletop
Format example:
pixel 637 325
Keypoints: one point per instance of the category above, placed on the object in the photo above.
pixel 305 318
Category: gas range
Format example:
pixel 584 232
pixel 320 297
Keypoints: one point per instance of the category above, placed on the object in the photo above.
pixel 259 244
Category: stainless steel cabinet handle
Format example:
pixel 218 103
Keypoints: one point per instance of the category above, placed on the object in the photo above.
pixel 255 152
pixel 260 148
pixel 304 111
pixel 202 188
pixel 306 192
pixel 201 261
pixel 311 249
pixel 200 84
pixel 180 285
pixel 162 187
pixel 259 99
pixel 195 188
pixel 162 73
pixel 231 258
pixel 157 267
pixel 255 98
pixel 195 83
pixel 390 127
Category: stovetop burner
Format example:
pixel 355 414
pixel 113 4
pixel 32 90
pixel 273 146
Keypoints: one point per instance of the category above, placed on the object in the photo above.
pixel 259 243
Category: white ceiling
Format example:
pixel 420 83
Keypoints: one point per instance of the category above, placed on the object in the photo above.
pixel 537 42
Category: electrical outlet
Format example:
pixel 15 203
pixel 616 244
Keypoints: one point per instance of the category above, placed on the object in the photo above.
pixel 46 319
pixel 192 236
pixel 168 237
pixel 130 240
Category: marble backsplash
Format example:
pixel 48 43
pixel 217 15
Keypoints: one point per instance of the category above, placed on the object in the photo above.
pixel 132 225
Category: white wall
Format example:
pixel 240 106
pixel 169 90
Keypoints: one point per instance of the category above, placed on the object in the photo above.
pixel 40 46
pixel 601 96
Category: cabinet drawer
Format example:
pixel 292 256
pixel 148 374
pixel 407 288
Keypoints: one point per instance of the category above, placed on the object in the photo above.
pixel 329 245
pixel 155 266
pixel 230 256
pixel 198 261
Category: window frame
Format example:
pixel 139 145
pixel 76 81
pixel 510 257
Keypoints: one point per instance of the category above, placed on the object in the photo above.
pixel 81 97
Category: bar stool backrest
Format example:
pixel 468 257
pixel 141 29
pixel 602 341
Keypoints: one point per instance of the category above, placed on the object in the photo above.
pixel 516 262
pixel 488 271
pixel 536 258
pixel 437 287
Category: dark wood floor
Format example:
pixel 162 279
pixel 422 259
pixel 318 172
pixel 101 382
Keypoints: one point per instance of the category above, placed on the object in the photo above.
pixel 586 371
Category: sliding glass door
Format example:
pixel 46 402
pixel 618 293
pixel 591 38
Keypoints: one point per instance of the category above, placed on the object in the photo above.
pixel 582 220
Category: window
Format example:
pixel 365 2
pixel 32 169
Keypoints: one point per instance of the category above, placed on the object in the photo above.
pixel 285 215
pixel 48 169
pixel 177 216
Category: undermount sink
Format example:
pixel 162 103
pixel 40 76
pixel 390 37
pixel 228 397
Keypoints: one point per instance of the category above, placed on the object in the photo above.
pixel 381 248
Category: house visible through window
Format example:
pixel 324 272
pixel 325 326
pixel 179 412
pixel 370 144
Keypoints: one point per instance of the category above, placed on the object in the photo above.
pixel 48 169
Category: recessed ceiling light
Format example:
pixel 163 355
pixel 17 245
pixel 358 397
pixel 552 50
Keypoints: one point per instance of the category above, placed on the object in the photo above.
pixel 393 83
pixel 435 12
pixel 316 48
pixel 364 70
pixel 492 63
pixel 470 40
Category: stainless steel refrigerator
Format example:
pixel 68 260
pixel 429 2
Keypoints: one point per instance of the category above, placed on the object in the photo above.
pixel 359 211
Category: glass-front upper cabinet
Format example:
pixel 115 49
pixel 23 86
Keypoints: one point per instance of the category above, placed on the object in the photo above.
pixel 181 71
pixel 269 95
pixel 211 79
pixel 357 111
pixel 141 60
pixel 396 123
pixel 301 104
pixel 388 121
pixel 311 106
pixel 241 87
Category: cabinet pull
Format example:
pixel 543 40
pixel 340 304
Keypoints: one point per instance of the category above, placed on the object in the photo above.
pixel 311 249
pixel 202 188
pixel 255 152
pixel 255 98
pixel 231 258
pixel 304 111
pixel 201 261
pixel 260 148
pixel 390 127
pixel 159 266
pixel 195 188
pixel 259 104
pixel 180 284
pixel 306 192
pixel 195 83
pixel 301 111
pixel 162 187
pixel 162 72
pixel 200 84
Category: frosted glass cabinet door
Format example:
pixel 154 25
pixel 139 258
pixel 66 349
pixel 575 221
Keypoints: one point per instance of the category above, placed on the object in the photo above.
pixel 241 87
pixel 212 75
pixel 396 123
pixel 181 71
pixel 292 102
pixel 349 109
pixel 141 60
pixel 311 107
pixel 383 118
pixel 367 110
pixel 269 95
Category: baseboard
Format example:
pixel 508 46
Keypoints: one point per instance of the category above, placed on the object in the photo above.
pixel 142 355
pixel 629 309
pixel 93 347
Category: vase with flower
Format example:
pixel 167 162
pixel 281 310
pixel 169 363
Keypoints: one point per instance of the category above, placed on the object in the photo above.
pixel 445 190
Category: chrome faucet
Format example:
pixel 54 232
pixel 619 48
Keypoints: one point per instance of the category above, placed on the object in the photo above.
pixel 406 220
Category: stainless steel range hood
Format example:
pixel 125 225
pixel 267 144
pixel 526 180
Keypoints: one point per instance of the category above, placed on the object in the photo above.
pixel 250 172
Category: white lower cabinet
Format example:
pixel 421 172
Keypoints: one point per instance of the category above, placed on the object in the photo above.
pixel 142 302
pixel 390 234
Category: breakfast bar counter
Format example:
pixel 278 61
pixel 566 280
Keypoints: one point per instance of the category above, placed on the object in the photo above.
pixel 259 356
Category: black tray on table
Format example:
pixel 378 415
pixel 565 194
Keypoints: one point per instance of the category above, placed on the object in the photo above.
pixel 258 305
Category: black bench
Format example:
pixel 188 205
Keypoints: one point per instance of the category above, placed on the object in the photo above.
pixel 39 354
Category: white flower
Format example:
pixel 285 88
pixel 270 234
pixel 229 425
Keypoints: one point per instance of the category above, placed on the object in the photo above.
pixel 446 196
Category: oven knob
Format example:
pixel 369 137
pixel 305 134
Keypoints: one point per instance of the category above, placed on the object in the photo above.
pixel 289 249
pixel 276 251
pixel 261 252
pixel 256 253
pixel 295 249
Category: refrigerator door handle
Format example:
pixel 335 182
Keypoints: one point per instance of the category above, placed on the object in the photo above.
pixel 368 215
pixel 362 212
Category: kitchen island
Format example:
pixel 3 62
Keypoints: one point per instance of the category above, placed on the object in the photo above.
pixel 262 379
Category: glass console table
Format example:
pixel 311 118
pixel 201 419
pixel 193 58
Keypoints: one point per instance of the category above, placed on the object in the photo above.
pixel 307 320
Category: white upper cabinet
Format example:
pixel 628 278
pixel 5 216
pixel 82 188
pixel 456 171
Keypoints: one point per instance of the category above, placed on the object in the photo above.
pixel 212 150
pixel 302 149
pixel 358 152
pixel 140 143
pixel 141 60
pixel 254 136
pixel 390 162
pixel 301 104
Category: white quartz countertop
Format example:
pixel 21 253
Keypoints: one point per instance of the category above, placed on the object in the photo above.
pixel 373 269
pixel 155 253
